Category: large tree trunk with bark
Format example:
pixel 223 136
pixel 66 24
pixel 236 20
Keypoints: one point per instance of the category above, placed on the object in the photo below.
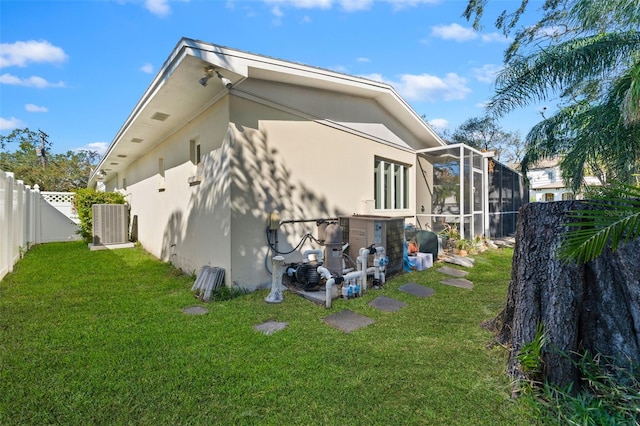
pixel 591 307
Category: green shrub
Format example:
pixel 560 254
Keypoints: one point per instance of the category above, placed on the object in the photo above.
pixel 82 202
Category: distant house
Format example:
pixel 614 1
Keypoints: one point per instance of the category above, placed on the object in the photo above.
pixel 226 146
pixel 546 183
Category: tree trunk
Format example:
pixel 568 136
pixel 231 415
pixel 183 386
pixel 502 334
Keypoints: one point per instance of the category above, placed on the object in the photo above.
pixel 591 307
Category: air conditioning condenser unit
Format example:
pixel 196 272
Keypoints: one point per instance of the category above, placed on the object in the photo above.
pixel 110 224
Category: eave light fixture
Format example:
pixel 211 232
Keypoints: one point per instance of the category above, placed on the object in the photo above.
pixel 209 72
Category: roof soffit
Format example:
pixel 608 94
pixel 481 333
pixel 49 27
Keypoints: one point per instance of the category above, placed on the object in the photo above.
pixel 176 92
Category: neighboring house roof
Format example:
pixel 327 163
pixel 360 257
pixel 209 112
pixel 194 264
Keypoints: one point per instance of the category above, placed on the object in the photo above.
pixel 555 185
pixel 547 163
pixel 175 97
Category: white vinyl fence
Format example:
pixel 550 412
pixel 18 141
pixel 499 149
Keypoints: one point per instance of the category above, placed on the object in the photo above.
pixel 26 219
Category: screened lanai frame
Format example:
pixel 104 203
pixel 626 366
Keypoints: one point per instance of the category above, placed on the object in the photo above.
pixel 443 174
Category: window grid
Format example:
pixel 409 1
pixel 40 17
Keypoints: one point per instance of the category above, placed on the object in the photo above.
pixel 391 185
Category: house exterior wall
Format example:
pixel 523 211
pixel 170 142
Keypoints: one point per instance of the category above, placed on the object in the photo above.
pixel 303 153
pixel 185 224
pixel 301 169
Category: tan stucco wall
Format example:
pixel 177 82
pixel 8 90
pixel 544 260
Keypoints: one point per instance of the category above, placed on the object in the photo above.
pixel 185 224
pixel 328 105
pixel 259 157
pixel 302 170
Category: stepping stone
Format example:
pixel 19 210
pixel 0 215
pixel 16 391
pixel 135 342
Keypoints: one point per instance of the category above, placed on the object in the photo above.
pixel 271 327
pixel 458 282
pixel 458 273
pixel 417 290
pixel 388 304
pixel 195 310
pixel 459 260
pixel 348 321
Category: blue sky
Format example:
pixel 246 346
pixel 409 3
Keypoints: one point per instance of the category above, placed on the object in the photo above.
pixel 76 69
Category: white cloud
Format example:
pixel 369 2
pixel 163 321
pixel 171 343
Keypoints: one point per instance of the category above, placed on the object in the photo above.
pixel 33 81
pixel 403 4
pixel 10 124
pixel 355 5
pixel 147 68
pixel 454 32
pixel 439 123
pixel 306 19
pixel 425 87
pixel 21 53
pixel 346 5
pixel 362 59
pixel 158 7
pixel 486 73
pixel 376 77
pixel 494 37
pixel 300 4
pixel 550 31
pixel 99 147
pixel 431 88
pixel 276 11
pixel 35 108
pixel 460 34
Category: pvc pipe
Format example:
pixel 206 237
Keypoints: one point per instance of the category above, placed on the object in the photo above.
pixel 357 276
pixel 379 265
pixel 363 260
pixel 324 272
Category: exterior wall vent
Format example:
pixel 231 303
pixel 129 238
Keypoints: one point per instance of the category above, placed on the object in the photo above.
pixel 160 116
pixel 110 224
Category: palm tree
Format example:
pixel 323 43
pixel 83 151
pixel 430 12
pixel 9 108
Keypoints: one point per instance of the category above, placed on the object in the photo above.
pixel 587 53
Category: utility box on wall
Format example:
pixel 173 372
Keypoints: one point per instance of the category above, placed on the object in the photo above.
pixel 110 224
pixel 381 231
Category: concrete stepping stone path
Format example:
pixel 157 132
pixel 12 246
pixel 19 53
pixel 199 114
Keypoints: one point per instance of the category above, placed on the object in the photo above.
pixel 348 321
pixel 417 290
pixel 195 310
pixel 458 282
pixel 270 327
pixel 387 304
pixel 458 273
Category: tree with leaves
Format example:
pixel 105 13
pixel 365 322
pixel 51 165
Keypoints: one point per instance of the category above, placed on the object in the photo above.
pixel 585 54
pixel 484 134
pixel 59 172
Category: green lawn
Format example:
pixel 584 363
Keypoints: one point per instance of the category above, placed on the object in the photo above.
pixel 100 338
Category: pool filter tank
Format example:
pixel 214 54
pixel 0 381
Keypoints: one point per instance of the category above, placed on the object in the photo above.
pixel 333 249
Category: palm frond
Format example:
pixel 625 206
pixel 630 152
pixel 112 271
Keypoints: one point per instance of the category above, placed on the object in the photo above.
pixel 611 220
pixel 530 79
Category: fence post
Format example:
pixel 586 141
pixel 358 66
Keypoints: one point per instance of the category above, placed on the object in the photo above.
pixel 8 214
pixel 19 224
pixel 37 237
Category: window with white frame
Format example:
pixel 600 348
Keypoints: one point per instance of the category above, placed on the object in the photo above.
pixel 391 185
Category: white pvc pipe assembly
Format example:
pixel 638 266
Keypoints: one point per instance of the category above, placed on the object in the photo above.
pixel 324 272
pixel 363 258
pixel 379 263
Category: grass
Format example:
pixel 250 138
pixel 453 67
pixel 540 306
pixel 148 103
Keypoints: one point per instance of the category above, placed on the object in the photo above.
pixel 99 338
